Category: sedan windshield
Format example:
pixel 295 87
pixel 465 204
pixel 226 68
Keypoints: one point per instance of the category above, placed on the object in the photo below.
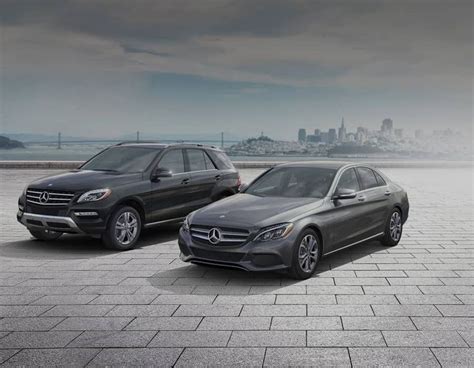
pixel 293 182
pixel 122 159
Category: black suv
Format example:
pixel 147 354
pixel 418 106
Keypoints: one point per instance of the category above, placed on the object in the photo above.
pixel 127 187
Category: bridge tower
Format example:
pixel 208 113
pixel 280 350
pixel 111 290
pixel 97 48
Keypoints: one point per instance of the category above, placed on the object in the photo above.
pixel 59 140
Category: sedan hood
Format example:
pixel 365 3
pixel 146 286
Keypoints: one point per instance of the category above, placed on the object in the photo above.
pixel 79 180
pixel 249 211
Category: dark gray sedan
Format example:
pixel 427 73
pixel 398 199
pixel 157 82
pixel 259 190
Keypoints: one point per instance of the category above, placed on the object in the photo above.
pixel 292 215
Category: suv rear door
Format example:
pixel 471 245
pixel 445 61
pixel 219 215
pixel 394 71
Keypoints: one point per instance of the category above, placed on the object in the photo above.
pixel 204 176
pixel 170 195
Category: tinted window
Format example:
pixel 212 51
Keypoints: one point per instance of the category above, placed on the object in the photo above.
pixel 196 159
pixel 209 164
pixel 380 180
pixel 122 159
pixel 367 178
pixel 173 160
pixel 293 182
pixel 348 180
pixel 220 158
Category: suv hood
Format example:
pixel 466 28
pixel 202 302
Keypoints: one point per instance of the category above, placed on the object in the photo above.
pixel 80 180
pixel 249 211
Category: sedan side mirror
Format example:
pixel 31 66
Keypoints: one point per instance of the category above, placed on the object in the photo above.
pixel 343 193
pixel 161 172
pixel 243 187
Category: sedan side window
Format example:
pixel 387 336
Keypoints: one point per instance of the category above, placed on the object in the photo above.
pixel 173 160
pixel 367 178
pixel 348 180
pixel 380 181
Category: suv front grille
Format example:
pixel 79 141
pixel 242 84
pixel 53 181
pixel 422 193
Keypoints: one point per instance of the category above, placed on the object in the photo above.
pixel 228 236
pixel 48 197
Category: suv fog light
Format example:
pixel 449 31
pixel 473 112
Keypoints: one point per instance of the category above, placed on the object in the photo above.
pixel 86 214
pixel 21 208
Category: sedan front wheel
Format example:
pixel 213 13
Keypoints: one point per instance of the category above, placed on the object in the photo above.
pixel 306 255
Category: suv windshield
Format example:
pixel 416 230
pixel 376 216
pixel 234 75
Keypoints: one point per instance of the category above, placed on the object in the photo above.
pixel 293 182
pixel 122 159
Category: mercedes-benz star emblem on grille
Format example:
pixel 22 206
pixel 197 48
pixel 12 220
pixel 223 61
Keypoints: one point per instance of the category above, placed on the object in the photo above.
pixel 214 236
pixel 44 197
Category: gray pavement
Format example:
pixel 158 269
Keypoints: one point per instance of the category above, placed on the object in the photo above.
pixel 72 303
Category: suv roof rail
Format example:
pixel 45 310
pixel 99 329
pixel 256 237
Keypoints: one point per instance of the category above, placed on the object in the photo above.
pixel 134 141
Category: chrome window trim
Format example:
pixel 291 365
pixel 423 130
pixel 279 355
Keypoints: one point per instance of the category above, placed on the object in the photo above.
pixel 343 169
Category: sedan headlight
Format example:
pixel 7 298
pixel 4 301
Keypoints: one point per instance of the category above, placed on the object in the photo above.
pixel 274 232
pixel 94 195
pixel 185 225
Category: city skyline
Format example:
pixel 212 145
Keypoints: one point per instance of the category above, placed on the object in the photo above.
pixel 240 67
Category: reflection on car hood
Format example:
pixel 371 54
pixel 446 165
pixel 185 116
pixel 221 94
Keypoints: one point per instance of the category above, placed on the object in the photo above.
pixel 78 180
pixel 249 211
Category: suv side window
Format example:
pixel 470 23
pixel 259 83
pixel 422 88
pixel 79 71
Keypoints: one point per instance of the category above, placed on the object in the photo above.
pixel 196 160
pixel 221 160
pixel 173 160
pixel 209 164
pixel 348 180
pixel 367 178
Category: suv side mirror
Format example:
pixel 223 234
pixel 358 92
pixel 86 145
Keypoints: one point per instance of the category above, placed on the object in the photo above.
pixel 242 187
pixel 161 172
pixel 343 193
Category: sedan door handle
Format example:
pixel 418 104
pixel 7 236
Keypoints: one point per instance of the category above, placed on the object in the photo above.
pixel 361 198
pixel 185 181
pixel 387 192
pixel 217 177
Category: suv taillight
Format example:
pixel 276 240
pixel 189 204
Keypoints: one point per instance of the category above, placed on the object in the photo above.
pixel 239 181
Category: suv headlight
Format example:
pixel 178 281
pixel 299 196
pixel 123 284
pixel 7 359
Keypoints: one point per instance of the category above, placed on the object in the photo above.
pixel 274 232
pixel 94 195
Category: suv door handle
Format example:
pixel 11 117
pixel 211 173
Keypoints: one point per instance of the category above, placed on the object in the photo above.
pixel 217 177
pixel 185 181
pixel 387 192
pixel 361 198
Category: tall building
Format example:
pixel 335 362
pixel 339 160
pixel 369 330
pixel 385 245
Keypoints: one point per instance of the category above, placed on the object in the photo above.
pixel 342 132
pixel 387 126
pixel 317 132
pixel 332 136
pixel 302 135
pixel 399 133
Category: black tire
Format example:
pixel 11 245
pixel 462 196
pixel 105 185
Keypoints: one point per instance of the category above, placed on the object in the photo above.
pixel 393 229
pixel 113 235
pixel 45 235
pixel 297 271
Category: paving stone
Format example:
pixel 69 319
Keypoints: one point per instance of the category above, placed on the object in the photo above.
pixel 208 310
pixel 245 299
pixel 93 323
pixel 28 340
pixel 5 354
pixel 366 299
pixel 392 357
pixel 377 323
pixel 224 357
pixel 124 299
pixel 267 338
pixel 164 323
pixel 23 310
pixel 305 299
pixel 163 310
pixel 65 299
pixel 190 339
pixel 136 357
pixel 306 323
pixel 444 323
pixel 428 299
pixel 423 339
pixel 28 323
pixel 468 336
pixel 340 310
pixel 113 339
pixel 360 281
pixel 273 310
pixel 78 311
pixel 405 310
pixel 345 338
pixel 457 310
pixel 184 299
pixel 52 358
pixel 235 323
pixel 455 357
pixel 307 357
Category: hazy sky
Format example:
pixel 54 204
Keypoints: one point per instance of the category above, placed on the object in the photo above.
pixel 106 68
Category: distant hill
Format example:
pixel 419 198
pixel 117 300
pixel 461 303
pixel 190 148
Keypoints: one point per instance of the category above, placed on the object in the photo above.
pixel 7 143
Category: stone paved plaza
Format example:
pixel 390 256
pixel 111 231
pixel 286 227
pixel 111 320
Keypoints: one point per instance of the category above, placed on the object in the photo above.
pixel 72 303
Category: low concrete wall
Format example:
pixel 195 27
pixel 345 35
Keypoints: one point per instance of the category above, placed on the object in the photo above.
pixel 67 165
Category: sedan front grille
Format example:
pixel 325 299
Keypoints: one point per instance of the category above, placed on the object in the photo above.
pixel 227 236
pixel 48 197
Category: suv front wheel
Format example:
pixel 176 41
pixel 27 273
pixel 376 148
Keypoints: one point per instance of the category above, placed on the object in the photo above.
pixel 123 230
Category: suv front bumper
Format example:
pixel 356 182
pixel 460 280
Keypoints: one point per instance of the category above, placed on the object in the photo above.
pixel 45 222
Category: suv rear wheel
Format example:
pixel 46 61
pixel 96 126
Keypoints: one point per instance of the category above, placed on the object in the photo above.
pixel 123 229
pixel 45 234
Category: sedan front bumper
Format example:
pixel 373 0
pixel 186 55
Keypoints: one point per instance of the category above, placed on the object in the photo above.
pixel 252 256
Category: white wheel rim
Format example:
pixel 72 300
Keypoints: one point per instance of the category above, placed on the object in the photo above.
pixel 308 253
pixel 126 228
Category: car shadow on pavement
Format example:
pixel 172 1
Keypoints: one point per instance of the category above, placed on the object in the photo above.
pixel 183 278
pixel 69 247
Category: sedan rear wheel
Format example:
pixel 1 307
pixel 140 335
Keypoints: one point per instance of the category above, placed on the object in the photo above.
pixel 306 255
pixel 393 228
